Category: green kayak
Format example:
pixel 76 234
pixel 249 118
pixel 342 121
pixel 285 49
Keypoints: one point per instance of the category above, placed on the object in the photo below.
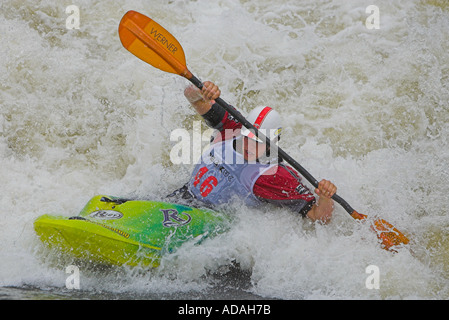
pixel 111 230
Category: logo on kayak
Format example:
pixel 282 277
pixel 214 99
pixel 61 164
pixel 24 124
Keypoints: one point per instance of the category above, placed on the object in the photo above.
pixel 172 218
pixel 106 215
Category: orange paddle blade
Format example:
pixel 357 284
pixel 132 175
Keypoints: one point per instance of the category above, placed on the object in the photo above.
pixel 386 232
pixel 150 42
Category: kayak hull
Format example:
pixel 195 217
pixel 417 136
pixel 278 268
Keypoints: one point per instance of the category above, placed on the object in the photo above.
pixel 116 231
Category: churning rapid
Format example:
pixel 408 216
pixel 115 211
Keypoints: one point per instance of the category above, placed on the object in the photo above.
pixel 363 95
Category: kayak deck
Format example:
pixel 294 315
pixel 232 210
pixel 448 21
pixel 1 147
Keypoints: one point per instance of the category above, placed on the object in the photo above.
pixel 115 231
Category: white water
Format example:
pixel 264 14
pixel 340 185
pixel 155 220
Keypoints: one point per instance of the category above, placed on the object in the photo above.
pixel 367 109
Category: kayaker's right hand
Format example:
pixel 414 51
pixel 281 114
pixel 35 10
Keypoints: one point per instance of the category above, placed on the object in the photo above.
pixel 202 100
pixel 210 91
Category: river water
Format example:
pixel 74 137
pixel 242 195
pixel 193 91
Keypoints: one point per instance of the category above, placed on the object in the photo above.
pixel 364 105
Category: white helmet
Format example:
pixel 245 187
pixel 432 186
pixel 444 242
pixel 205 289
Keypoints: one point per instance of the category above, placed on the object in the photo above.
pixel 266 120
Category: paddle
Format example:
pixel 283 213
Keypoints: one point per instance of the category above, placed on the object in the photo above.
pixel 150 42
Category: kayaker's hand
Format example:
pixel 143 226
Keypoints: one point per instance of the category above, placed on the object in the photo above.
pixel 202 100
pixel 210 91
pixel 326 189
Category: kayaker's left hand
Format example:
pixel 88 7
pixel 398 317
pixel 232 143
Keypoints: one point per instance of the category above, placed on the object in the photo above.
pixel 326 189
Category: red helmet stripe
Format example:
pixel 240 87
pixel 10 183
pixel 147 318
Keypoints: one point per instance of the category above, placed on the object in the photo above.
pixel 262 115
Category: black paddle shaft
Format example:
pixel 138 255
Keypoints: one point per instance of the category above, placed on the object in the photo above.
pixel 282 154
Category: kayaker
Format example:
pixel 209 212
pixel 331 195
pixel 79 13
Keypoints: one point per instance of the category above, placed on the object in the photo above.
pixel 239 165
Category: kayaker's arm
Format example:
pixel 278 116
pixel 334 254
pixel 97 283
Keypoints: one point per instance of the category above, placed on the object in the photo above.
pixel 202 100
pixel 215 115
